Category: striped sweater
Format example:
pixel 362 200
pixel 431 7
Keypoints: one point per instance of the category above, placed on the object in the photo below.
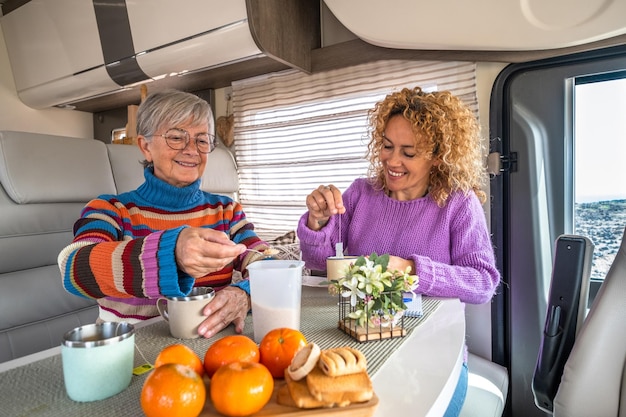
pixel 123 252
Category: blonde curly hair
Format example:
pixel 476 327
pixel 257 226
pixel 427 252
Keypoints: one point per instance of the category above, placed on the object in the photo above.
pixel 452 137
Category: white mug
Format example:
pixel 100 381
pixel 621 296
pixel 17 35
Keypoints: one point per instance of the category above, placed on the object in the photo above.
pixel 184 314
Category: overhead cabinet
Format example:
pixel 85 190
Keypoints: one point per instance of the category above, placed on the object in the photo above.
pixel 63 52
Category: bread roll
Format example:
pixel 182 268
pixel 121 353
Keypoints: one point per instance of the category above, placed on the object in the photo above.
pixel 342 361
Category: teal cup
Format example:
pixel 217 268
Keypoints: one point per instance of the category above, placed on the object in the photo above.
pixel 98 360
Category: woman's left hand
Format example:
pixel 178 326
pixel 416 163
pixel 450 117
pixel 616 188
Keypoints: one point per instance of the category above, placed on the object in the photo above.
pixel 230 305
pixel 400 264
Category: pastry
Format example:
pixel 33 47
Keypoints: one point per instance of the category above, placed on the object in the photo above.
pixel 342 361
pixel 304 361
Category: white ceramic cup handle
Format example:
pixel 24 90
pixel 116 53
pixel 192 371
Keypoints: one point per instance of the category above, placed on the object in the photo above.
pixel 161 305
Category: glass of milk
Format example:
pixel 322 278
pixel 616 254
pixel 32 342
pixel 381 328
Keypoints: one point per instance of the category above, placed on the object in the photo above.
pixel 275 292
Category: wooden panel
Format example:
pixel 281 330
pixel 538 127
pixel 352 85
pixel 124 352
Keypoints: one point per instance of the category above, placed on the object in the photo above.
pixel 10 5
pixel 286 30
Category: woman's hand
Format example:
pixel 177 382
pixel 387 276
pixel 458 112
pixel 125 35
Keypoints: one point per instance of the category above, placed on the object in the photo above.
pixel 230 305
pixel 322 203
pixel 400 264
pixel 200 251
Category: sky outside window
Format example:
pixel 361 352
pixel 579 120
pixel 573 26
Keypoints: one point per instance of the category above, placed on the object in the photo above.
pixel 600 134
pixel 599 170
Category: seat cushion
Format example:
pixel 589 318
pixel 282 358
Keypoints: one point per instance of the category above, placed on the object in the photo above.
pixel 487 389
pixel 126 166
pixel 37 168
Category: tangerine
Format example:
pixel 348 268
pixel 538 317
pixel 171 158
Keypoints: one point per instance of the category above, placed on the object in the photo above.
pixel 241 388
pixel 230 349
pixel 173 390
pixel 278 347
pixel 182 354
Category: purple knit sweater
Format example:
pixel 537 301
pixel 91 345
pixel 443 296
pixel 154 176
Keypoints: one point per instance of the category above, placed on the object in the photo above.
pixel 450 246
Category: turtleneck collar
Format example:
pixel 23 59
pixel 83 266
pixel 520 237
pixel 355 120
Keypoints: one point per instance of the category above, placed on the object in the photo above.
pixel 162 194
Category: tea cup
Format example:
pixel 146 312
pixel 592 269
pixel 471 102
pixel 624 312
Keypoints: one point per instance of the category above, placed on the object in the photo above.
pixel 336 266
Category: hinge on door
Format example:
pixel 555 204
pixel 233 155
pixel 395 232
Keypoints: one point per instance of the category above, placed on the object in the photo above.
pixel 498 163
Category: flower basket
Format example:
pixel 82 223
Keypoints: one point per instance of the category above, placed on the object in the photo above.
pixel 385 325
pixel 371 305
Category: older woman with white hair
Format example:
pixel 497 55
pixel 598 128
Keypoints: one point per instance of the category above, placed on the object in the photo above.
pixel 168 235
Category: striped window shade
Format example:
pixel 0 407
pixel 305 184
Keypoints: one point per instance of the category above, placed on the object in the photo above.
pixel 295 131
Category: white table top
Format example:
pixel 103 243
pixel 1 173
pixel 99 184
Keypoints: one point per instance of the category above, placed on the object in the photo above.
pixel 418 379
pixel 421 375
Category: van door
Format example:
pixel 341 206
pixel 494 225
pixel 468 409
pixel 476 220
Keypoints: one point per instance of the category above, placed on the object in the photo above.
pixel 532 127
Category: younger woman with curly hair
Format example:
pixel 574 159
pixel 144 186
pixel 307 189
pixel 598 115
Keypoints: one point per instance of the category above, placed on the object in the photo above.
pixel 421 202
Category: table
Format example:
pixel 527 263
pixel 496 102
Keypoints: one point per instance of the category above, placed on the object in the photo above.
pixel 417 378
pixel 427 365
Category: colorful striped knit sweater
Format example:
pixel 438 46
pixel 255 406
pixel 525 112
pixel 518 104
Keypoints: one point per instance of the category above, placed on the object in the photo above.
pixel 123 253
pixel 450 246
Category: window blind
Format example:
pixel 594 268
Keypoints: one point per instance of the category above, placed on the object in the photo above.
pixel 295 131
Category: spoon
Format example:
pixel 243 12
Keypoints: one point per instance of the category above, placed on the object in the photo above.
pixel 268 253
pixel 339 244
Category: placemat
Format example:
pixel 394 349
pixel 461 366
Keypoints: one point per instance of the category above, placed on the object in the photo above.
pixel 37 389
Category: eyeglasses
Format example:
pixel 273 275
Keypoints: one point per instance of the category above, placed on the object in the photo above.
pixel 178 139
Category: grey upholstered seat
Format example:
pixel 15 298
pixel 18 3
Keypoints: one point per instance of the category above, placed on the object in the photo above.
pixel 45 181
pixel 594 377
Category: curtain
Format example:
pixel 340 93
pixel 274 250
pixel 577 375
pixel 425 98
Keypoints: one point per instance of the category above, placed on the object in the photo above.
pixel 295 131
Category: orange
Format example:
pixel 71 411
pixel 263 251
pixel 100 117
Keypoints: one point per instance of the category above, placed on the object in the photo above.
pixel 230 349
pixel 278 348
pixel 241 388
pixel 181 354
pixel 173 390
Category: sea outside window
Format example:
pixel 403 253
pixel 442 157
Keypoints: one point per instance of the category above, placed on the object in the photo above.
pixel 599 167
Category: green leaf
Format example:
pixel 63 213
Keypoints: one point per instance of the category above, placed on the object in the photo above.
pixel 360 261
pixel 383 261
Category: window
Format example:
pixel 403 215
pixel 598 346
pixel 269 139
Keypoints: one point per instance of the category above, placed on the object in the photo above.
pixel 600 155
pixel 294 131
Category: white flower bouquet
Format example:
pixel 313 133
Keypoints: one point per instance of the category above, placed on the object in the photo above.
pixel 375 293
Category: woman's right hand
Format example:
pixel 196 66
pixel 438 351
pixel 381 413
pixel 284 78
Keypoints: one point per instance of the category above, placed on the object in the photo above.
pixel 322 203
pixel 201 251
